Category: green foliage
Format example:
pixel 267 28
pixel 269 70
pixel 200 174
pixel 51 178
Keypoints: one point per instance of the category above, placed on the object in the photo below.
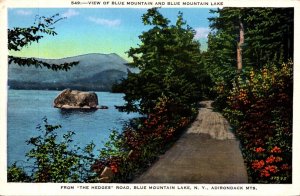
pixel 170 65
pixel 55 160
pixel 17 174
pixel 261 111
pixel 268 39
pixel 19 38
pixel 268 36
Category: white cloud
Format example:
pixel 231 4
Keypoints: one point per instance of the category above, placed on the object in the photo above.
pixel 105 22
pixel 70 13
pixel 201 32
pixel 24 12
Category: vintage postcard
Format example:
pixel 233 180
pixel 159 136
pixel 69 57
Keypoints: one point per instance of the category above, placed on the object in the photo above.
pixel 150 97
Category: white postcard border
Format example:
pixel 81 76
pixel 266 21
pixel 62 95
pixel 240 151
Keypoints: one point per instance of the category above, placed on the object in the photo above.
pixel 99 189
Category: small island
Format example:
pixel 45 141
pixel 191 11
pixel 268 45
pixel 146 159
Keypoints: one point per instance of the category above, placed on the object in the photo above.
pixel 74 99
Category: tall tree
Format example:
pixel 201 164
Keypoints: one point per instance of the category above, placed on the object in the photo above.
pixel 239 46
pixel 169 61
pixel 270 35
pixel 263 34
pixel 18 38
pixel 257 36
pixel 229 25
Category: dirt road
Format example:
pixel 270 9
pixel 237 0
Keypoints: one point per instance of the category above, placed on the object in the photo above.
pixel 206 153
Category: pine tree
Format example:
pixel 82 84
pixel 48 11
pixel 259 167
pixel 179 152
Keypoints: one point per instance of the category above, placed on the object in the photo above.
pixel 169 61
pixel 267 32
pixel 247 38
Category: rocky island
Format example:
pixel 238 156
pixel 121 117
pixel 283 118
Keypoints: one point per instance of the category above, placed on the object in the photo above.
pixel 74 99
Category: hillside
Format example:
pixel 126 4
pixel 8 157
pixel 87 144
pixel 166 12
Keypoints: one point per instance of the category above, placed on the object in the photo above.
pixel 97 72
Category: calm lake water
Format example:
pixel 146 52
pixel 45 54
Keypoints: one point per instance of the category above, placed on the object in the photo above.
pixel 26 109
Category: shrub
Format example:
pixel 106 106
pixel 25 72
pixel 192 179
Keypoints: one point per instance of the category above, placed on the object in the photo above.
pixel 17 174
pixel 55 160
pixel 261 109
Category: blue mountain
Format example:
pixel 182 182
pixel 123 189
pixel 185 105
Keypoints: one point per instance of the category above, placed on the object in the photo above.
pixel 97 72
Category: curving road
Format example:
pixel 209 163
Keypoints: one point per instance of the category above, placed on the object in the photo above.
pixel 206 153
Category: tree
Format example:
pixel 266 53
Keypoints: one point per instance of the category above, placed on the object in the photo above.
pixel 257 36
pixel 169 60
pixel 239 46
pixel 270 36
pixel 267 33
pixel 21 37
pixel 230 25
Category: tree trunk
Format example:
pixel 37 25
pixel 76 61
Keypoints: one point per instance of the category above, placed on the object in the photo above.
pixel 239 48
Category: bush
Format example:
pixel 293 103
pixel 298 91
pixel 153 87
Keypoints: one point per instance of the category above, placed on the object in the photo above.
pixel 17 174
pixel 260 109
pixel 55 160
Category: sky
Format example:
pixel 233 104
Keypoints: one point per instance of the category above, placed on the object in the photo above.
pixel 99 30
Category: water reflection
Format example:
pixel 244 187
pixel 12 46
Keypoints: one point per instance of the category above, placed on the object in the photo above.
pixel 65 113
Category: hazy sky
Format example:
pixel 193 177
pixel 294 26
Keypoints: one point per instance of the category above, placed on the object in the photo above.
pixel 97 30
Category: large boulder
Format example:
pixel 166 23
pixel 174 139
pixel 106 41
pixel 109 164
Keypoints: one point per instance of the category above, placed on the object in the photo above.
pixel 74 99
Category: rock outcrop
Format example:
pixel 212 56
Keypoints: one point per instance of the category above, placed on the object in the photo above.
pixel 74 99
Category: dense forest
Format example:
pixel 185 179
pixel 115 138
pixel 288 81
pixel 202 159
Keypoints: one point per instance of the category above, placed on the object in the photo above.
pixel 247 70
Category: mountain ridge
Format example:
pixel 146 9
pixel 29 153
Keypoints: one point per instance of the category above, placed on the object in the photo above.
pixel 79 55
pixel 110 68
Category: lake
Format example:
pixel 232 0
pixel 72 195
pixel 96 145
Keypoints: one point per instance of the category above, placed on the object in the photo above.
pixel 26 109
